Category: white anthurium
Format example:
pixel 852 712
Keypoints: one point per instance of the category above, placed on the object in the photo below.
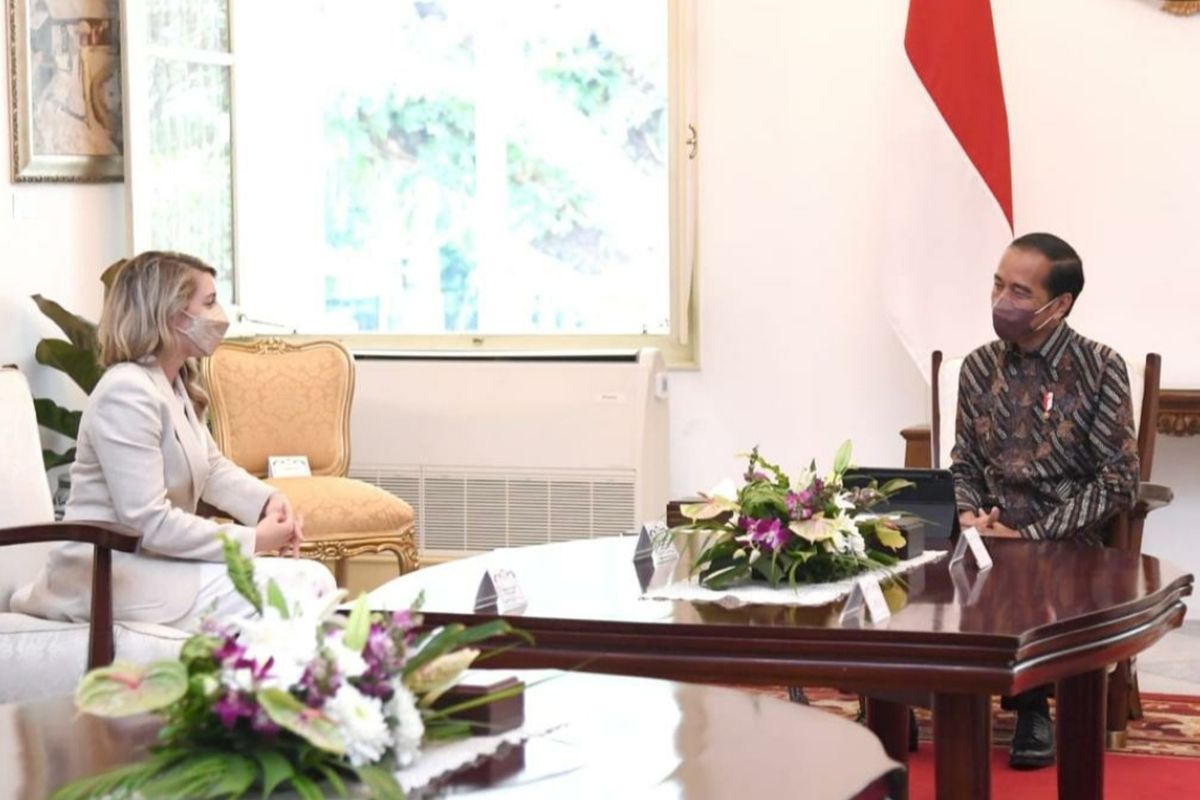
pixel 349 663
pixel 817 529
pixel 718 500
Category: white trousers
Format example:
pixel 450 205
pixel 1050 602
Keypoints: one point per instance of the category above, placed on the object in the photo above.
pixel 300 579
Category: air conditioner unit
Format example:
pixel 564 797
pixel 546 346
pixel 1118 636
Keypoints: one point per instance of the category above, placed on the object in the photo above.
pixel 502 451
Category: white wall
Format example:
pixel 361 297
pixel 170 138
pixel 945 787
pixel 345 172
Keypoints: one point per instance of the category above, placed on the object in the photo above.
pixel 55 239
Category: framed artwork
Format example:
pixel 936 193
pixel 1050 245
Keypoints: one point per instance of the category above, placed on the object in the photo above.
pixel 64 67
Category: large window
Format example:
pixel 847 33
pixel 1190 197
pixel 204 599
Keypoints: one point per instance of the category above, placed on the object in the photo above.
pixel 423 173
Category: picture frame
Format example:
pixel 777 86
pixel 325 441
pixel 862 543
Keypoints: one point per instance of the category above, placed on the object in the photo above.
pixel 65 96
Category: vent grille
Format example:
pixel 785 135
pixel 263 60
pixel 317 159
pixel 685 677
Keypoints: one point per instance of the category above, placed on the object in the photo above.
pixel 468 510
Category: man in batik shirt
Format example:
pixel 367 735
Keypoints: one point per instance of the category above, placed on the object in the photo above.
pixel 1045 446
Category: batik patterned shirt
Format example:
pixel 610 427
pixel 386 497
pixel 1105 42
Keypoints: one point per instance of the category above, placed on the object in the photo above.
pixel 1046 436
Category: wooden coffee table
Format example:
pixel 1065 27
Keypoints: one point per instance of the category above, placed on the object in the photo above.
pixel 1045 613
pixel 622 737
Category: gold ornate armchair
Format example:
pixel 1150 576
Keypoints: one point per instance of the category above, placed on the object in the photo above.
pixel 270 397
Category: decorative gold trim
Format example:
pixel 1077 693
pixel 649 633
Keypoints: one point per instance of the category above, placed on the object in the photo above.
pixel 273 346
pixel 402 545
pixel 24 165
pixel 1181 8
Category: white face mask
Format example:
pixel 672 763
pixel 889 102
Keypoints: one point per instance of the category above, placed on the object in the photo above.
pixel 207 330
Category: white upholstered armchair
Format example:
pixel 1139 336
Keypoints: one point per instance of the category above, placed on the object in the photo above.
pixel 44 657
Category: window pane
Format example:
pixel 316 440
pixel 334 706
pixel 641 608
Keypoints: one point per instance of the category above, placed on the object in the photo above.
pixel 475 166
pixel 190 165
pixel 196 24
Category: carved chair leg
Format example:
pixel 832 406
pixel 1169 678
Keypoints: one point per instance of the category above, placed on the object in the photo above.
pixel 339 571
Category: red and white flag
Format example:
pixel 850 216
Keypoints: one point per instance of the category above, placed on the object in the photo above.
pixel 949 176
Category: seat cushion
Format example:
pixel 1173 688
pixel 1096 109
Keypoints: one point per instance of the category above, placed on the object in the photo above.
pixel 39 657
pixel 343 506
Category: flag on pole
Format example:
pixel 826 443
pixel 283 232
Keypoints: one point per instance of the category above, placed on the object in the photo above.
pixel 950 198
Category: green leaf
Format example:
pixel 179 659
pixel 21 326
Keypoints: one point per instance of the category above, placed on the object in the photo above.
pixel 51 459
pixel 78 364
pixel 380 782
pixel 894 485
pixel 358 626
pixel 307 723
pixel 456 635
pixel 241 572
pixel 334 779
pixel 79 331
pixel 306 788
pixel 198 648
pixel 841 461
pixel 276 599
pixel 53 417
pixel 123 689
pixel 275 769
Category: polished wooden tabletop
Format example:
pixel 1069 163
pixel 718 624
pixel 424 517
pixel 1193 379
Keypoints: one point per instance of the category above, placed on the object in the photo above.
pixel 1044 610
pixel 619 737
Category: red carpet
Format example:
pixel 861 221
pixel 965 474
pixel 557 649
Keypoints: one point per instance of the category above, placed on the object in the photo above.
pixel 1126 777
pixel 1161 760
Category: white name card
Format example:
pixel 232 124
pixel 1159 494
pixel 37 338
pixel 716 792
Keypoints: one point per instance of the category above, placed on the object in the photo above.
pixel 500 592
pixel 288 467
pixel 866 594
pixel 656 544
pixel 969 541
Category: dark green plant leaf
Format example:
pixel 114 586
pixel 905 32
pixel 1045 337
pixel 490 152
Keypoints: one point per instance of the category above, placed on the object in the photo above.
pixel 334 779
pixel 380 783
pixel 454 636
pixel 306 788
pixel 78 364
pixel 53 417
pixel 51 459
pixel 80 332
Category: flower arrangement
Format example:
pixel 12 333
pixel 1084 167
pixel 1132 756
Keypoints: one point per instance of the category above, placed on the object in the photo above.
pixel 803 530
pixel 291 698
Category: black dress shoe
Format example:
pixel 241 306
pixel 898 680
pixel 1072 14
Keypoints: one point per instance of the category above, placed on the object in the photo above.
pixel 1033 740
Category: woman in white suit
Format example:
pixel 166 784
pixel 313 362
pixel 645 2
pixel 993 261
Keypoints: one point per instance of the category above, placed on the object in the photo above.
pixel 144 458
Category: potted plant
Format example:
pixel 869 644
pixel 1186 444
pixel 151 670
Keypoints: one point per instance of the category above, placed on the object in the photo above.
pixel 77 357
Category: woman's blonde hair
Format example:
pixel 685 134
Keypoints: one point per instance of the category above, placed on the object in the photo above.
pixel 148 291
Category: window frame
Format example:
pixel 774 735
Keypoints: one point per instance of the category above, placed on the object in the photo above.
pixel 679 346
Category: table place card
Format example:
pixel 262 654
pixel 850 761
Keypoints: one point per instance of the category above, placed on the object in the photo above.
pixel 969 541
pixel 655 543
pixel 288 467
pixel 866 594
pixel 967 585
pixel 500 592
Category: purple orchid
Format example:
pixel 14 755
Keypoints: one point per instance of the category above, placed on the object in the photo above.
pixel 232 706
pixel 768 533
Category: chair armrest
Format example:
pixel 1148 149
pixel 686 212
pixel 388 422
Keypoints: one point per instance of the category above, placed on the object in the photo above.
pixel 105 537
pixel 102 534
pixel 1152 496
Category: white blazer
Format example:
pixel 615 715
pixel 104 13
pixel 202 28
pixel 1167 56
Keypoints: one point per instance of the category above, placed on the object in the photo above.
pixel 144 459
